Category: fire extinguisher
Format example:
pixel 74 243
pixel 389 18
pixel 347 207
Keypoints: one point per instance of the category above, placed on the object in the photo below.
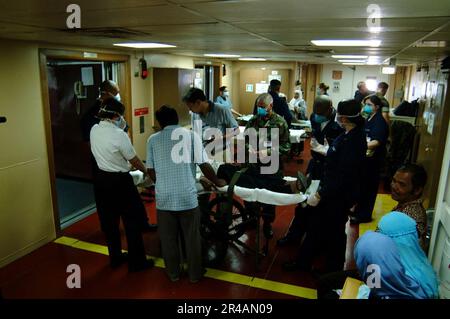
pixel 143 66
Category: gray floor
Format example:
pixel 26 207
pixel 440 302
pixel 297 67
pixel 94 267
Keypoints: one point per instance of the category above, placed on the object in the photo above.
pixel 75 200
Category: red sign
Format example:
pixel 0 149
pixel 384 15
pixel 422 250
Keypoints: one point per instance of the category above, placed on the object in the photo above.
pixel 141 111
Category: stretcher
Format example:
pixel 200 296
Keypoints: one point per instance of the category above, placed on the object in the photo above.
pixel 225 219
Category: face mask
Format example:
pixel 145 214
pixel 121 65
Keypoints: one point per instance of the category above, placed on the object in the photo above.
pixel 117 97
pixel 319 92
pixel 320 118
pixel 226 94
pixel 120 123
pixel 262 112
pixel 368 109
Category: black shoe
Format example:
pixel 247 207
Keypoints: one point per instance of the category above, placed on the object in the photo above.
pixel 357 221
pixel 295 266
pixel 116 262
pixel 285 241
pixel 267 230
pixel 149 263
pixel 149 228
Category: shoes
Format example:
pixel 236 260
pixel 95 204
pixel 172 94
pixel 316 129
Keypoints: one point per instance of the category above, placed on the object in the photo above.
pixel 196 280
pixel 116 262
pixel 174 278
pixel 147 264
pixel 295 266
pixel 267 230
pixel 149 227
pixel 285 241
pixel 357 221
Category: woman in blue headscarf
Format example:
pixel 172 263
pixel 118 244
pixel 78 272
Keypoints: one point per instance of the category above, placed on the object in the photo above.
pixel 374 248
pixel 403 231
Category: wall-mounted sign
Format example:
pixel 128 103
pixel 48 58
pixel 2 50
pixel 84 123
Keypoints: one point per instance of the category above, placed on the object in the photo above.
pixel 336 87
pixel 274 72
pixel 262 88
pixel 141 111
pixel 274 77
pixel 249 88
pixel 337 75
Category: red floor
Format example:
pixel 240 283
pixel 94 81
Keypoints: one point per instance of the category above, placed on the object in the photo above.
pixel 42 274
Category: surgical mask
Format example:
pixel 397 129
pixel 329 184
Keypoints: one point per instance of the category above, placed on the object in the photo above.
pixel 120 123
pixel 117 97
pixel 262 112
pixel 320 118
pixel 319 92
pixel 226 94
pixel 368 109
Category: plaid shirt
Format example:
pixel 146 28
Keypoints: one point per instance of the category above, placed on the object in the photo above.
pixel 175 179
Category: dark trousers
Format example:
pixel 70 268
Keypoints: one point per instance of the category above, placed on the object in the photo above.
pixel 118 199
pixel 184 224
pixel 369 190
pixel 300 222
pixel 95 171
pixel 325 234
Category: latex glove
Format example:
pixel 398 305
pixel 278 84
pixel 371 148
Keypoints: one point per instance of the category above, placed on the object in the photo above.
pixel 319 148
pixel 313 200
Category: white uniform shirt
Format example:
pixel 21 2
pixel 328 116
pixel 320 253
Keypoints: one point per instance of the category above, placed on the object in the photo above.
pixel 111 147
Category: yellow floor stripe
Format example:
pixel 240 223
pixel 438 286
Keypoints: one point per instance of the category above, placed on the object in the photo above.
pixel 265 284
pixel 383 205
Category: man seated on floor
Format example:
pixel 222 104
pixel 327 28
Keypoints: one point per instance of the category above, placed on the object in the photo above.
pixel 406 188
pixel 268 135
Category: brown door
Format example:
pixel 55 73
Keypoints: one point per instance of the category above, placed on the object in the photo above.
pixel 433 130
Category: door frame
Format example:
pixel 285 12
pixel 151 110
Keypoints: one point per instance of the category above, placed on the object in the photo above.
pixel 124 80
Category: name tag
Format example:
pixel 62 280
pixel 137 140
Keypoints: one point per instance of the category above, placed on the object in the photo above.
pixel 267 144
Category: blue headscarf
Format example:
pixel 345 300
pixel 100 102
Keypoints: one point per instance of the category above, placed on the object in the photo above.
pixel 403 230
pixel 378 249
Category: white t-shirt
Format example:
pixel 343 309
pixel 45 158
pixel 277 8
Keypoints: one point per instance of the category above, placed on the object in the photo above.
pixel 111 147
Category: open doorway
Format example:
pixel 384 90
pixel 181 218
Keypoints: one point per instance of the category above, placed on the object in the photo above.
pixel 71 89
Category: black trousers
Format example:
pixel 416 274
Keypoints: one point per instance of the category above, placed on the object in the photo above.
pixel 252 178
pixel 325 234
pixel 369 190
pixel 300 222
pixel 118 199
pixel 95 171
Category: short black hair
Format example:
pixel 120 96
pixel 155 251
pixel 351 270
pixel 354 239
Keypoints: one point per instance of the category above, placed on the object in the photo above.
pixel 351 108
pixel 193 95
pixel 110 108
pixel 166 115
pixel 374 99
pixel 383 85
pixel 418 174
pixel 222 88
pixel 274 83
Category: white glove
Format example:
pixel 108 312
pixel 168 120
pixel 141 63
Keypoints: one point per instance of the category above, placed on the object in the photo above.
pixel 313 200
pixel 319 148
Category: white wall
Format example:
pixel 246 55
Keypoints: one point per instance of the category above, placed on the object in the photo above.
pixel 26 212
pixel 350 79
pixel 142 93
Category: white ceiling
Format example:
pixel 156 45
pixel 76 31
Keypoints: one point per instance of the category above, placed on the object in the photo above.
pixel 275 29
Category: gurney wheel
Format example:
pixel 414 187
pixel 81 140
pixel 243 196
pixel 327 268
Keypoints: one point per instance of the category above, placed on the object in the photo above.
pixel 226 226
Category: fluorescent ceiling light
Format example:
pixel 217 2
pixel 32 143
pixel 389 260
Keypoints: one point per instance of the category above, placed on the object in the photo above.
pixel 219 55
pixel 252 59
pixel 344 56
pixel 356 61
pixel 347 43
pixel 431 44
pixel 388 70
pixel 144 45
pixel 353 63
